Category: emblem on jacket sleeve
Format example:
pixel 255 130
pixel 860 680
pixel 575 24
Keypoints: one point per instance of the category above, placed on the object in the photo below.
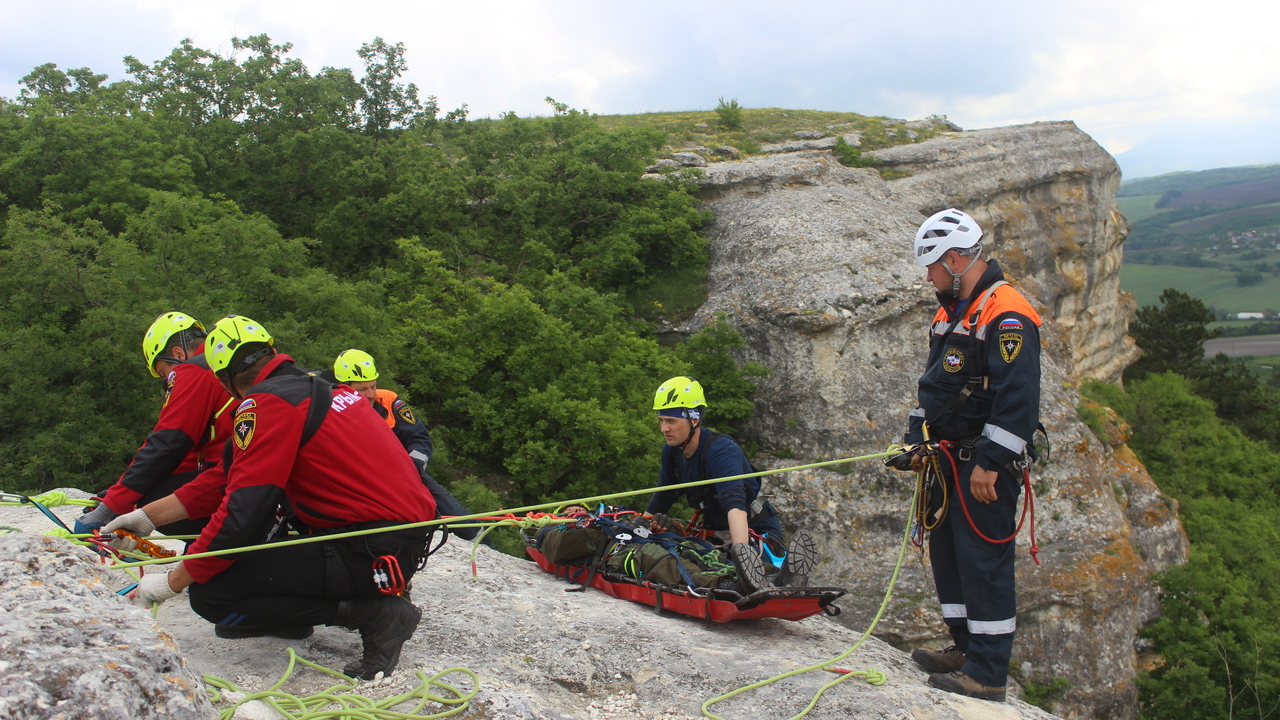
pixel 405 413
pixel 1010 346
pixel 953 360
pixel 243 429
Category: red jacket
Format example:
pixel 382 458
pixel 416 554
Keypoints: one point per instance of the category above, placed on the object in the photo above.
pixel 353 470
pixel 196 415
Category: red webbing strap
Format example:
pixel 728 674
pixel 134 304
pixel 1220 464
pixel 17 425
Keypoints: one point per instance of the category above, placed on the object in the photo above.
pixel 1028 504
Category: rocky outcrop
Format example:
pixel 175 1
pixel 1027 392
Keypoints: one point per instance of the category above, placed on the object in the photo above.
pixel 812 262
pixel 71 649
pixel 539 653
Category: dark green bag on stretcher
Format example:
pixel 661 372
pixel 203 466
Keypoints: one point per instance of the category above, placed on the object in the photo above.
pixel 652 562
pixel 566 545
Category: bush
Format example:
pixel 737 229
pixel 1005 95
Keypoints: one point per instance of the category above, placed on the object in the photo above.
pixel 730 113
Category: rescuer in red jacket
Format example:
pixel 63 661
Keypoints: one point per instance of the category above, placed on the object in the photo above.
pixel 196 416
pixel 324 451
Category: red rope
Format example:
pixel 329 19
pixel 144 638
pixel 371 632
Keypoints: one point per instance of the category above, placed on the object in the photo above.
pixel 1028 504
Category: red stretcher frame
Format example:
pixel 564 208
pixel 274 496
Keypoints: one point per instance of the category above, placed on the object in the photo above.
pixel 780 603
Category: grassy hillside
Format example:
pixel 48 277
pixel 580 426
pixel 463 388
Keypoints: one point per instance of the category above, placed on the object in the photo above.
pixel 1218 288
pixel 1139 207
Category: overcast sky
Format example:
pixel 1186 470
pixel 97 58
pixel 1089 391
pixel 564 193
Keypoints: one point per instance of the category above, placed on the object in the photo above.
pixel 1165 85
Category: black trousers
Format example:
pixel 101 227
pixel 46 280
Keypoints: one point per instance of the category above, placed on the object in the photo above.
pixel 975 578
pixel 302 584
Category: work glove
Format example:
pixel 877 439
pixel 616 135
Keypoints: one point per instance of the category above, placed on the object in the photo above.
pixel 135 522
pixel 153 588
pixel 93 519
pixel 665 523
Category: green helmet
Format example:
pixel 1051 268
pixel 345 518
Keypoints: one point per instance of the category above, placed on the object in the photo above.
pixel 165 327
pixel 354 366
pixel 680 397
pixel 227 336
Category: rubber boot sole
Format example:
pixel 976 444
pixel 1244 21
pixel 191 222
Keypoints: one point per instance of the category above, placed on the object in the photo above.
pixel 801 561
pixel 961 684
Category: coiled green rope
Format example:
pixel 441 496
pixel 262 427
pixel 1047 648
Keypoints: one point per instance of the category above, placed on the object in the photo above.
pixel 336 702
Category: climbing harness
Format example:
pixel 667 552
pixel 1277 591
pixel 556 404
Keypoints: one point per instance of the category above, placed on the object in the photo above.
pixel 931 477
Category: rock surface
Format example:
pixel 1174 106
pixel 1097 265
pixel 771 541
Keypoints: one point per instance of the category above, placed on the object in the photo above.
pixel 540 653
pixel 812 262
pixel 71 649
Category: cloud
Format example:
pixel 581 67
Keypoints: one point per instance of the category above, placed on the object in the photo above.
pixel 1123 71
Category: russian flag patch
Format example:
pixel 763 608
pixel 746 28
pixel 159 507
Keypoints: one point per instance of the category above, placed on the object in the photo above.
pixel 1011 324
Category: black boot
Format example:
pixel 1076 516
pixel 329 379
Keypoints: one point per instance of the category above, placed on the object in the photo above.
pixel 385 624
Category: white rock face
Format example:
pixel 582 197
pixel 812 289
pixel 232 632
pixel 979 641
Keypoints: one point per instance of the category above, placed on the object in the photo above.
pixel 71 649
pixel 812 262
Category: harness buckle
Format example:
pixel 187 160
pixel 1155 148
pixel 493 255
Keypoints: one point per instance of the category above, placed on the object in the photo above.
pixel 964 453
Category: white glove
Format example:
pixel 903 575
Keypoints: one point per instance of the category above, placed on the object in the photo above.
pixel 135 522
pixel 154 587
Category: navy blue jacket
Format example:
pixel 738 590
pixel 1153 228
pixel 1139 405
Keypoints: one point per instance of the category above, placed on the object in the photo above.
pixel 721 457
pixel 1002 343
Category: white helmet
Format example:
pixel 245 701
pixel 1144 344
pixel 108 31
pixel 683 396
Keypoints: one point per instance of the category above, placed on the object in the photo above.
pixel 950 229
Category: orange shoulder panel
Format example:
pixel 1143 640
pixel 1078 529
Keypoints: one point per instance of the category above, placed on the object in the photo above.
pixel 1005 299
pixel 387 398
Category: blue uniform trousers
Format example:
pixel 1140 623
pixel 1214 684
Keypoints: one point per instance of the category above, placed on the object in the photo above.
pixel 975 578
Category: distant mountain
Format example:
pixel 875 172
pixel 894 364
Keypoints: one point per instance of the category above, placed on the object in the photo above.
pixel 1207 145
pixel 1247 181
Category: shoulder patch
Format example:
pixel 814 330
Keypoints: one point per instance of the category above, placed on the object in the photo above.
pixel 405 413
pixel 1010 346
pixel 243 430
pixel 248 404
pixel 1011 324
pixel 953 360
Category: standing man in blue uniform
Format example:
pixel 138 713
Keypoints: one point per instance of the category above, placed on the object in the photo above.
pixel 981 391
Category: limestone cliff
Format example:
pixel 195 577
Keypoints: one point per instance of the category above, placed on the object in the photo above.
pixel 812 262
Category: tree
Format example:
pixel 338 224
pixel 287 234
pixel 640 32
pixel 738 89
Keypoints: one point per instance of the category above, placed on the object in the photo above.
pixel 1172 336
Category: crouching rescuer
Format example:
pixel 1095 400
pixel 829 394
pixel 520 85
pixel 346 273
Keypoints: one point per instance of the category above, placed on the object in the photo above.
pixel 733 511
pixel 322 451
pixel 979 402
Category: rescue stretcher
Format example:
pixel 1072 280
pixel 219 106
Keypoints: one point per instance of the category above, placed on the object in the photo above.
pixel 715 604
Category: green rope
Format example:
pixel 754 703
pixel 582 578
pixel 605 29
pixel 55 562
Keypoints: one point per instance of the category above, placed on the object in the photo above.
pixel 349 706
pixel 53 498
pixel 514 511
pixel 871 675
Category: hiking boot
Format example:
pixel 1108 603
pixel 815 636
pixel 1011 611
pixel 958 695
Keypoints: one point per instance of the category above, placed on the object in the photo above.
pixel 801 559
pixel 235 632
pixel 385 625
pixel 961 684
pixel 750 568
pixel 939 661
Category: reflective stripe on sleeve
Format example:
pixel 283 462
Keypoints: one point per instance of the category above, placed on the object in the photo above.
pixel 419 455
pixel 993 627
pixel 954 610
pixel 1004 438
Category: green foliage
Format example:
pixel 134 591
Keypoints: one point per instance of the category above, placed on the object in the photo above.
pixel 730 113
pixel 484 262
pixel 1217 637
pixel 1172 336
pixel 1040 694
